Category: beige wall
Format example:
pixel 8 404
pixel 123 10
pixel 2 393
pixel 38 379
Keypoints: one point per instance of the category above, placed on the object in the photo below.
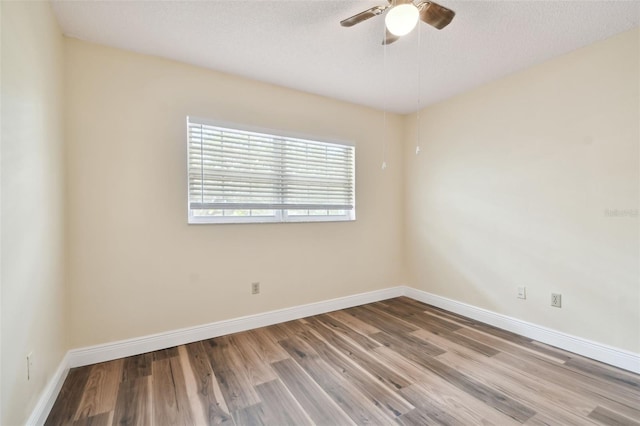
pixel 137 267
pixel 512 188
pixel 32 257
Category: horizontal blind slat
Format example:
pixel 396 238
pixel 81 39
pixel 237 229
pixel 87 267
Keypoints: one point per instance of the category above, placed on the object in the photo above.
pixel 243 206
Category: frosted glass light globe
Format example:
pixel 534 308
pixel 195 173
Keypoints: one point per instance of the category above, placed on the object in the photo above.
pixel 400 20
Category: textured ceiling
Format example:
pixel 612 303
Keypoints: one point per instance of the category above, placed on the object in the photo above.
pixel 300 44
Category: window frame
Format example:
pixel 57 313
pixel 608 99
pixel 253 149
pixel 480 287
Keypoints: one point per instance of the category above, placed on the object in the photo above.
pixel 281 215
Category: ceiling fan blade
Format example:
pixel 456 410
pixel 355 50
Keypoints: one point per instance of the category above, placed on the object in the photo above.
pixel 435 15
pixel 363 16
pixel 390 38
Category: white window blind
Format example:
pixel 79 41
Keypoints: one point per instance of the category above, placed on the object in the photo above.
pixel 236 173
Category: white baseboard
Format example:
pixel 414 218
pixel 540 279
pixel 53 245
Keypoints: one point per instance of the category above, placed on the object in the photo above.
pixel 49 394
pixel 154 342
pixel 613 356
pixel 123 348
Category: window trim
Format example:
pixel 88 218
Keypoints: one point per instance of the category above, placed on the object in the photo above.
pixel 281 215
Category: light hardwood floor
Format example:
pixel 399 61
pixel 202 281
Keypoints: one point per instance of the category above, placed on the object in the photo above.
pixel 392 362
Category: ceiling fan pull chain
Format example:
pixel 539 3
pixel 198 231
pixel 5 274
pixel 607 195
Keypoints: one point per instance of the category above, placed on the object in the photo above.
pixel 419 91
pixel 386 96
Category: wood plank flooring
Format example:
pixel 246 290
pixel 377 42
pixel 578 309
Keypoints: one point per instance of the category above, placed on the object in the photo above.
pixel 393 362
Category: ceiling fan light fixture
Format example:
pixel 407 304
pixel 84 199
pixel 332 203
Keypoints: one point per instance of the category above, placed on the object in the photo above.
pixel 401 19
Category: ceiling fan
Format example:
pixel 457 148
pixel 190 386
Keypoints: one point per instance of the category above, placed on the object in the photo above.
pixel 403 15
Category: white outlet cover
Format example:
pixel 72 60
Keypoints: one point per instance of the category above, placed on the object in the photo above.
pixel 522 292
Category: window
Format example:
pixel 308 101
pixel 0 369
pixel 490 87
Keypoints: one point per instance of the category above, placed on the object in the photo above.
pixel 239 175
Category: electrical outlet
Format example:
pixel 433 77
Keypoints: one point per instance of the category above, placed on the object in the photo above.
pixel 556 300
pixel 255 288
pixel 29 365
pixel 522 292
